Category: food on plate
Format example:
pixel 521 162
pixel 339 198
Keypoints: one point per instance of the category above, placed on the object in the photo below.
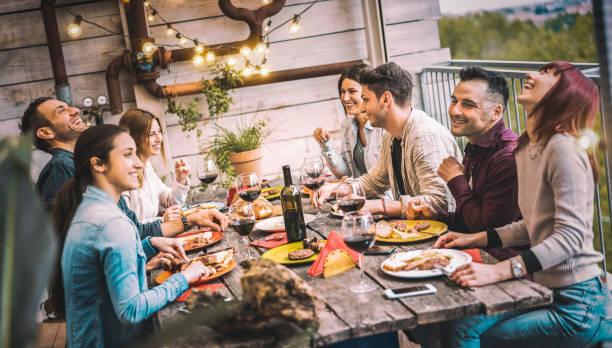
pixel 197 240
pixel 313 244
pixel 400 226
pixel 396 230
pixel 300 254
pixel 337 261
pixel 215 261
pixel 423 261
pixel 277 210
pixel 261 206
pixel 189 211
pixel 270 192
pixel 422 226
pixel 335 208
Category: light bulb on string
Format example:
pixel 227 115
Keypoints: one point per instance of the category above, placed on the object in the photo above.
pixel 170 31
pixel 266 28
pixel 198 48
pixel 247 71
pixel 264 71
pixel 198 60
pixel 151 16
pixel 146 3
pixel 74 29
pixel 210 57
pixel 245 51
pixel 182 41
pixel 231 61
pixel 295 24
pixel 148 48
pixel 260 48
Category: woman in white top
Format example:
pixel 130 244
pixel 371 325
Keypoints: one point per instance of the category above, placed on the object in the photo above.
pixel 360 141
pixel 145 128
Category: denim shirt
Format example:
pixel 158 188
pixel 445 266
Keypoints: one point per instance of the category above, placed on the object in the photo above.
pixel 103 264
pixel 60 169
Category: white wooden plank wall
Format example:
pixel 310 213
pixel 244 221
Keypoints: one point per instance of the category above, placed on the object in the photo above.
pixel 331 31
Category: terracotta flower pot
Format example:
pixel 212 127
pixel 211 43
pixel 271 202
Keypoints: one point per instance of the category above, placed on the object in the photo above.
pixel 247 161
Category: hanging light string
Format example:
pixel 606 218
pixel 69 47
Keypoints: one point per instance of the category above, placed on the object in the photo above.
pixel 298 16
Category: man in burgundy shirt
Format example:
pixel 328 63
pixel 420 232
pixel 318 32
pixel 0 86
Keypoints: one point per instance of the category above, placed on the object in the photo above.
pixel 485 187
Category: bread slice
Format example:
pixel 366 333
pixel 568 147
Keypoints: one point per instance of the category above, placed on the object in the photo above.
pixel 383 229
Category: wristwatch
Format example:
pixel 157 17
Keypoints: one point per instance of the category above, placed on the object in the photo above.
pixel 516 268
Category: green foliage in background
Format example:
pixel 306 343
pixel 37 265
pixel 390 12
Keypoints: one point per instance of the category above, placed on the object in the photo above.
pixel 217 90
pixel 188 116
pixel 569 37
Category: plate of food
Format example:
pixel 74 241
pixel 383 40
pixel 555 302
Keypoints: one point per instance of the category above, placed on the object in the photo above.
pixel 336 211
pixel 199 240
pixel 421 263
pixel 298 252
pixel 190 209
pixel 271 193
pixel 218 263
pixel 277 224
pixel 403 231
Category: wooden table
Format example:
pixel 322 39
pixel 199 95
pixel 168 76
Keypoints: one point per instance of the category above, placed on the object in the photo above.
pixel 350 315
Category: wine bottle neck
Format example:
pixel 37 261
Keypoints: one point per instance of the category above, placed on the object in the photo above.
pixel 288 181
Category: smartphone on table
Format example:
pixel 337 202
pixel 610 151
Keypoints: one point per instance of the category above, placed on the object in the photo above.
pixel 412 290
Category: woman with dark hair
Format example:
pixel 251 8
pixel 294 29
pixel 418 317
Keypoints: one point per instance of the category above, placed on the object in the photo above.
pixel 556 188
pixel 145 200
pixel 103 259
pixel 360 141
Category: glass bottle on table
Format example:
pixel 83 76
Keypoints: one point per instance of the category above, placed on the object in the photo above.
pixel 242 220
pixel 248 186
pixel 358 232
pixel 350 196
pixel 291 202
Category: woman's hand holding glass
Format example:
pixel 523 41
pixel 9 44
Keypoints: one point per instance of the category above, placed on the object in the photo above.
pixel 321 135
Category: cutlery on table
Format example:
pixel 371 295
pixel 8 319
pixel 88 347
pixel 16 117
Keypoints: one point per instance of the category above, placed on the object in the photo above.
pixel 447 273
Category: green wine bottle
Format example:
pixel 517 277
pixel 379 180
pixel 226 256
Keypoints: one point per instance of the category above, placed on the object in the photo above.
pixel 291 202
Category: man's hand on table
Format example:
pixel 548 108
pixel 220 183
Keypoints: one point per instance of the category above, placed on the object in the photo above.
pixel 208 218
pixel 418 209
pixel 462 240
pixel 323 194
pixel 374 206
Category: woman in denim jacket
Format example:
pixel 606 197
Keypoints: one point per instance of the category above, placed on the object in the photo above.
pixel 556 179
pixel 103 260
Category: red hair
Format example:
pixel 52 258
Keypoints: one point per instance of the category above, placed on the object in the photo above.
pixel 570 106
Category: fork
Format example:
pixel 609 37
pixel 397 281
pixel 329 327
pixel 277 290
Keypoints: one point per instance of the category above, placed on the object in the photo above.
pixel 447 273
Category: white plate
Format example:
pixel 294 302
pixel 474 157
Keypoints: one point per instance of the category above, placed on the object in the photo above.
pixel 277 224
pixel 207 205
pixel 459 258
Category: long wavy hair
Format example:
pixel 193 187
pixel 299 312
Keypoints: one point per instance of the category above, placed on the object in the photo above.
pixel 570 106
pixel 97 142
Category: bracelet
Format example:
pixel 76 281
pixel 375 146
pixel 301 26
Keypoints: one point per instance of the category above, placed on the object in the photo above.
pixel 384 207
pixel 185 225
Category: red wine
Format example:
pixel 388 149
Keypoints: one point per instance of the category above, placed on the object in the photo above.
pixel 243 226
pixel 208 179
pixel 249 195
pixel 359 242
pixel 314 184
pixel 348 205
pixel 314 174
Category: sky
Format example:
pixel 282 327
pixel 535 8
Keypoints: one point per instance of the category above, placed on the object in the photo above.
pixel 458 7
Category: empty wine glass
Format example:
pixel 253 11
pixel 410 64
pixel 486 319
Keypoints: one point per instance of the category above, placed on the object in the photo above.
pixel 242 219
pixel 358 233
pixel 248 186
pixel 350 196
pixel 313 177
pixel 207 172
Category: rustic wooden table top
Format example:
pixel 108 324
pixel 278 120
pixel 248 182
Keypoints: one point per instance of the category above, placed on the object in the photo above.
pixel 350 315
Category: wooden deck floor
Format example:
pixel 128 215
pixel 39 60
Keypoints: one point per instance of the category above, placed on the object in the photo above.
pixel 51 335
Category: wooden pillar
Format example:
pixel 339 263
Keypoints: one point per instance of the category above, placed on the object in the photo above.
pixel 375 32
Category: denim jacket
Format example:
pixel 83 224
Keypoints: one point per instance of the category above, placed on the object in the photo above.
pixel 103 264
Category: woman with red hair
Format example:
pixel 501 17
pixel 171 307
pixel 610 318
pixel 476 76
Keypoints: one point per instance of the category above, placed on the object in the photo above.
pixel 556 179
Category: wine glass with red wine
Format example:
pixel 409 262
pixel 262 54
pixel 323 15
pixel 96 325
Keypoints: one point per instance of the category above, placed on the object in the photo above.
pixel 248 186
pixel 359 234
pixel 350 196
pixel 207 172
pixel 242 219
pixel 312 175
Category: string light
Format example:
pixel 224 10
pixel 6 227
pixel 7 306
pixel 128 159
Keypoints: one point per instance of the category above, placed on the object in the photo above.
pixel 74 29
pixel 170 31
pixel 266 28
pixel 182 41
pixel 197 60
pixel 198 48
pixel 247 71
pixel 295 25
pixel 210 57
pixel 231 61
pixel 260 48
pixel 264 71
pixel 146 3
pixel 151 16
pixel 148 48
pixel 266 2
pixel 245 51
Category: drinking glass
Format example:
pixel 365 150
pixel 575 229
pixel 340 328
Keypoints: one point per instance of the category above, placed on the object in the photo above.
pixel 207 172
pixel 248 186
pixel 242 219
pixel 350 196
pixel 358 233
pixel 312 176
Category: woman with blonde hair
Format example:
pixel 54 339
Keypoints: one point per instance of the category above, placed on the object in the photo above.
pixel 145 128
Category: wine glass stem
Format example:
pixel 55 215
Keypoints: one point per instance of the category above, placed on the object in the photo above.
pixel 246 244
pixel 361 259
pixel 317 209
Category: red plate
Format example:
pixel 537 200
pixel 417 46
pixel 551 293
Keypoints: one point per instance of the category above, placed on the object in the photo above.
pixel 189 233
pixel 216 236
pixel 166 274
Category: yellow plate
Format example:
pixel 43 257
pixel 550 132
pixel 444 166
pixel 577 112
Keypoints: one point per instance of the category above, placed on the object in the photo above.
pixel 280 254
pixel 436 229
pixel 271 197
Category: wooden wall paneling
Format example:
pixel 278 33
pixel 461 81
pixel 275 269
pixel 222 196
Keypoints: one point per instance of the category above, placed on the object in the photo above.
pixel 15 98
pixel 418 59
pixel 8 6
pixel 81 56
pixel 26 28
pixel 396 11
pixel 411 37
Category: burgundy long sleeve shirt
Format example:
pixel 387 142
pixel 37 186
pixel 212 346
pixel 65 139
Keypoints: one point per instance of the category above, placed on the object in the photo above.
pixel 487 193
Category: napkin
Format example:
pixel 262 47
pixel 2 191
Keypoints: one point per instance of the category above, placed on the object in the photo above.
pixel 212 287
pixel 334 241
pixel 271 243
pixel 475 254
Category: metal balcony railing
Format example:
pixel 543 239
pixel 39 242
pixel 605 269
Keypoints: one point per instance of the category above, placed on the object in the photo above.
pixel 437 83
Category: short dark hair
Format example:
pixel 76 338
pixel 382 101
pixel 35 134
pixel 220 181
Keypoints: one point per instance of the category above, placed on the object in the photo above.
pixel 497 82
pixel 354 73
pixel 389 77
pixel 32 120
